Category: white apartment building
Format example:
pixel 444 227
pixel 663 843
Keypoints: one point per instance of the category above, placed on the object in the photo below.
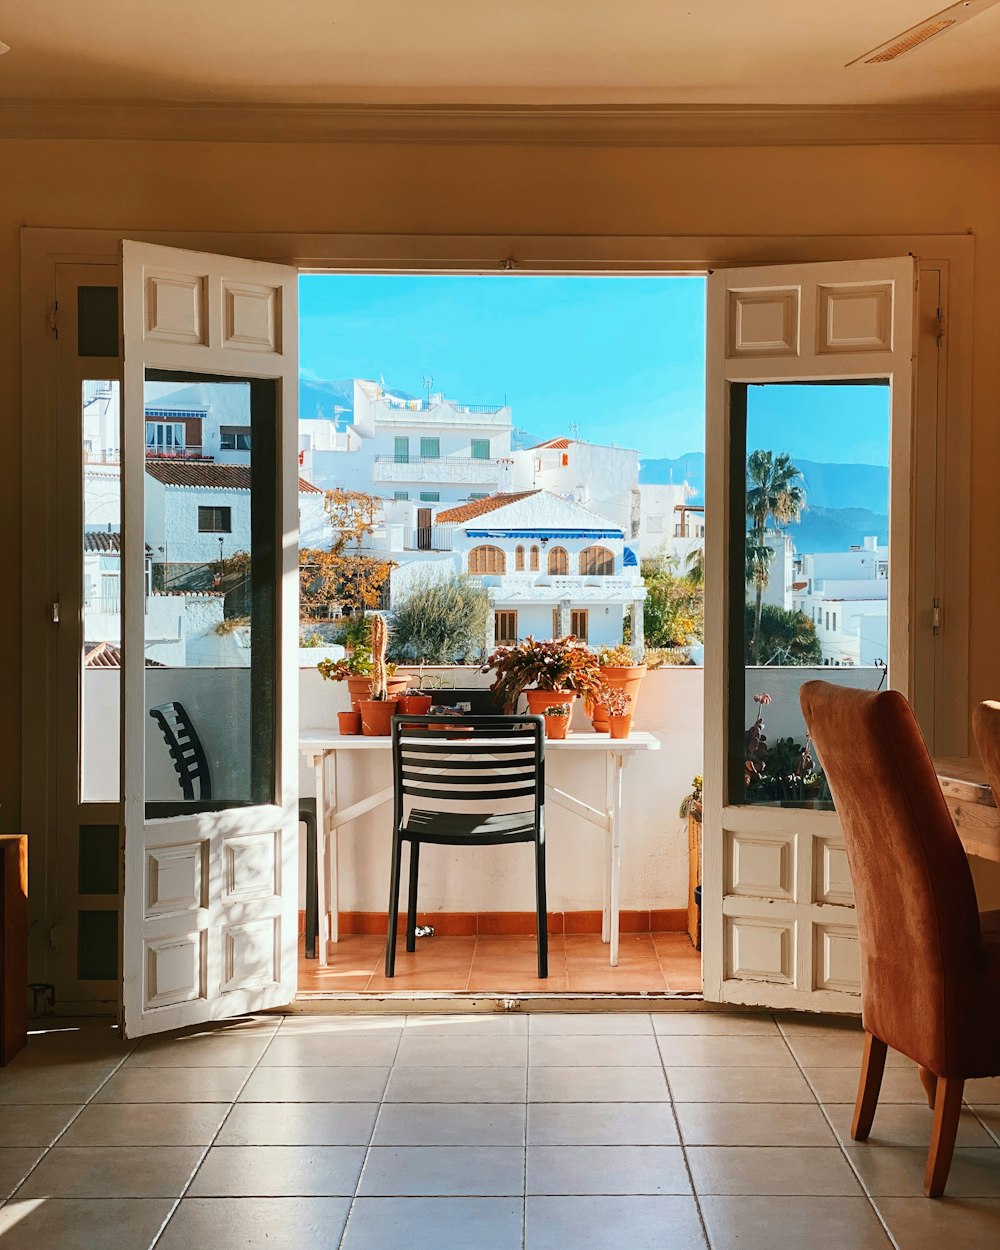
pixel 600 478
pixel 846 595
pixel 551 566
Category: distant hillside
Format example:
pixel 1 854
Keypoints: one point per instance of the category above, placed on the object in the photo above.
pixel 318 397
pixel 836 529
pixel 828 486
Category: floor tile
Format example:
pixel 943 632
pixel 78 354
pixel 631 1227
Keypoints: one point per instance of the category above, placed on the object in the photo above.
pixel 457 1085
pixel 607 1170
pixel 278 1171
pixel 752 1223
pixel 420 1224
pixel 200 1052
pixel 609 1223
pixel 989 1117
pixel 369 1049
pixel 816 1023
pixel 299 1124
pixel 790 1171
pixel 54 1083
pixel 173 1085
pixel 601 1124
pixel 841 1084
pixel 753 1124
pixel 314 1084
pixel 898 1171
pixel 81 1224
pixel 146 1124
pixel 836 1049
pixel 112 1172
pixel 471 1024
pixel 725 1052
pixel 905 1124
pixel 739 1085
pixel 602 1051
pixel 417 1051
pixel 37 1125
pixel 255 1223
pixel 574 1084
pixel 556 1024
pixel 450 1124
pixel 715 1023
pixel 15 1164
pixel 443 1171
pixel 957 1223
pixel 294 1025
pixel 985 1091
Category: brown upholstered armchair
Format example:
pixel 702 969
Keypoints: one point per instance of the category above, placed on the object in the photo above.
pixel 930 962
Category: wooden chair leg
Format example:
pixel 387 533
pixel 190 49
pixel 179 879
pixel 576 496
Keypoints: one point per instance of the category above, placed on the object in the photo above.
pixel 872 1067
pixel 411 902
pixel 928 1080
pixel 947 1110
pixel 541 910
pixel 392 918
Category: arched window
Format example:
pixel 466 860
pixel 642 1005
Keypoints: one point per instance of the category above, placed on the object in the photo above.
pixel 518 559
pixel 534 560
pixel 487 560
pixel 596 562
pixel 558 562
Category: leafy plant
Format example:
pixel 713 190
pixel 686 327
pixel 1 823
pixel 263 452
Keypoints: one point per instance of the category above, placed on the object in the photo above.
pixel 556 664
pixel 617 701
pixel 784 772
pixel 691 804
pixel 661 657
pixel 358 663
pixel 615 657
pixel 441 620
pixel 673 613
pixel 783 636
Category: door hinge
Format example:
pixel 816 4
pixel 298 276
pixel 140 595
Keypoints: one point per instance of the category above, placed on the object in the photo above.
pixel 940 325
pixel 55 611
pixel 936 617
pixel 54 318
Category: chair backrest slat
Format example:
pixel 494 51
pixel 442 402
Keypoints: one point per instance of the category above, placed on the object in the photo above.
pixel 186 751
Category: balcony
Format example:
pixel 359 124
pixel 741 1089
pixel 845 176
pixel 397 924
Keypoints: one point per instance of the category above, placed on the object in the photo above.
pixel 176 453
pixel 540 588
pixel 444 470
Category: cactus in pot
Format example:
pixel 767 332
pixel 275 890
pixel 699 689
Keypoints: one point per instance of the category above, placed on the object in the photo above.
pixel 379 638
pixel 377 710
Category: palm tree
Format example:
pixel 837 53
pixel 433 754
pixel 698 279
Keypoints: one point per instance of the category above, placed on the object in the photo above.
pixel 695 571
pixel 775 492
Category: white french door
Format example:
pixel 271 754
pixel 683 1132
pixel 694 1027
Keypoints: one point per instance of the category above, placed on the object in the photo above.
pixel 778 914
pixel 211 835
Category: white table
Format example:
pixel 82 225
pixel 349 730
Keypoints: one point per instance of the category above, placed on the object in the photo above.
pixel 323 747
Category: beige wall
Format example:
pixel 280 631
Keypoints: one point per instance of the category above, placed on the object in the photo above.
pixel 452 188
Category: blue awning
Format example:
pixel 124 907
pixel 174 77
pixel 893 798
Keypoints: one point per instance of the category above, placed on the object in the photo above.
pixel 581 533
pixel 630 560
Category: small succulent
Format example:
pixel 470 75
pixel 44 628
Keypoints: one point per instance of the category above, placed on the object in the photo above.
pixel 617 702
pixel 558 709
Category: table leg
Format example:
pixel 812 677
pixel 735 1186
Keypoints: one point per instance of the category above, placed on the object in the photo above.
pixel 319 767
pixel 609 784
pixel 334 856
pixel 616 852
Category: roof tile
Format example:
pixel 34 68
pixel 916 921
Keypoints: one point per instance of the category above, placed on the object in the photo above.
pixel 210 474
pixel 477 507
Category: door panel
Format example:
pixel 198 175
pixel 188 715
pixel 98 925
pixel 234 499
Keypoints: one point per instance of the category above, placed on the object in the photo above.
pixel 210 640
pixel 779 926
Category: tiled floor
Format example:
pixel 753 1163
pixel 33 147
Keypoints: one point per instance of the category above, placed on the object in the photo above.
pixel 676 1131
pixel 656 963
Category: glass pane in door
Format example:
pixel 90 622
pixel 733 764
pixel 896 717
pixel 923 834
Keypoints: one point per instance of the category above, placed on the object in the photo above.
pixel 209 623
pixel 100 697
pixel 815 522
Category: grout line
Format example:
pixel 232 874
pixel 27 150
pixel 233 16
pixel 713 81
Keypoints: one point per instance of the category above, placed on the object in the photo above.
pixel 680 1139
pixel 527 1112
pixel 850 1162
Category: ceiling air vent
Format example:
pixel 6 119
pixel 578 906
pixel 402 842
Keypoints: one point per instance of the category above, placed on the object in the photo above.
pixel 918 35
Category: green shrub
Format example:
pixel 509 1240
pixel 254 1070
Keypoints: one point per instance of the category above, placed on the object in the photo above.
pixel 440 620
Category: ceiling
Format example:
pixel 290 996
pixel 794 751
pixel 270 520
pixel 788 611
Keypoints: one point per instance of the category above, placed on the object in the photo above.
pixel 507 52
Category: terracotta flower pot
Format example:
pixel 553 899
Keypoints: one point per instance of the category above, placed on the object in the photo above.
pixel 624 678
pixel 376 716
pixel 539 700
pixel 556 726
pixel 414 704
pixel 349 722
pixel 359 688
pixel 620 726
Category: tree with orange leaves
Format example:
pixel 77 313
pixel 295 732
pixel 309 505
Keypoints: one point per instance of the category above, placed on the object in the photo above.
pixel 342 576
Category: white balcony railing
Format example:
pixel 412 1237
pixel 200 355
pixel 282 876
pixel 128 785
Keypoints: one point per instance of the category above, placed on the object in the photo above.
pixel 458 470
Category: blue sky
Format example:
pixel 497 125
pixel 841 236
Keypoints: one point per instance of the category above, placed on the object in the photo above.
pixel 623 359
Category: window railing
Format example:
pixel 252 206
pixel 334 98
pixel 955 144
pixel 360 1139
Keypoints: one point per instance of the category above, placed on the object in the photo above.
pixel 175 453
pixel 389 458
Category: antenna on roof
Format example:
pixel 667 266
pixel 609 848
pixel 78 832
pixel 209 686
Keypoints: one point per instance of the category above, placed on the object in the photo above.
pixel 428 383
pixel 574 429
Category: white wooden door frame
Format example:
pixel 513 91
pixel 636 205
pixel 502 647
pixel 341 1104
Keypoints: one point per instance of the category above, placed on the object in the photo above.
pixel 762 941
pixel 226 943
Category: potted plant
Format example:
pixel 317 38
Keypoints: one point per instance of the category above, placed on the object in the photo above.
pixel 357 669
pixel 691 808
pixel 557 720
pixel 349 723
pixel 783 773
pixel 378 710
pixel 618 711
pixel 619 671
pixel 546 672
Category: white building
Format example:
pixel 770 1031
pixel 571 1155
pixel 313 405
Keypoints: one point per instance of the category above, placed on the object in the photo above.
pixel 431 451
pixel 846 595
pixel 551 566
pixel 603 479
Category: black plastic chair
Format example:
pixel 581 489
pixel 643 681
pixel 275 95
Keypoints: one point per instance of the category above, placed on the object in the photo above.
pixel 184 745
pixel 481 759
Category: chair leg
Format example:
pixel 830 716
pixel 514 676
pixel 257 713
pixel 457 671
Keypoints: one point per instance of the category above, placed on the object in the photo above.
pixel 872 1067
pixel 393 917
pixel 929 1081
pixel 947 1110
pixel 411 904
pixel 541 910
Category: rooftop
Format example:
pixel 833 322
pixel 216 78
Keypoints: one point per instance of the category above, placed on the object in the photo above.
pixel 224 476
pixel 478 507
